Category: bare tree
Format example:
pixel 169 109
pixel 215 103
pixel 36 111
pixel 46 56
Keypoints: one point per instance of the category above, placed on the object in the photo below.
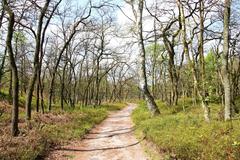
pixel 38 39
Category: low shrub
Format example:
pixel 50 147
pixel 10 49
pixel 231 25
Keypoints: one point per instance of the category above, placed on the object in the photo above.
pixel 185 135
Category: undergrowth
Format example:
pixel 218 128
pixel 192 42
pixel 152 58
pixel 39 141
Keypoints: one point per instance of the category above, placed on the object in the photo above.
pixel 180 132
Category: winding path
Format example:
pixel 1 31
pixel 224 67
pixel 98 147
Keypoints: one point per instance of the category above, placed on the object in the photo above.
pixel 113 139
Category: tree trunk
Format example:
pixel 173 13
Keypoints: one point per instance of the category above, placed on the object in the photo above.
pixel 97 82
pixel 2 66
pixel 152 106
pixel 225 64
pixel 13 65
pixel 36 61
pixel 198 87
pixel 50 93
pixel 41 91
pixel 10 83
pixel 204 93
pixel 172 71
pixel 38 90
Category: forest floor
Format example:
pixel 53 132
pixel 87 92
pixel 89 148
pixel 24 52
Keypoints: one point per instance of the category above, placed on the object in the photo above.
pixel 112 139
pixel 180 132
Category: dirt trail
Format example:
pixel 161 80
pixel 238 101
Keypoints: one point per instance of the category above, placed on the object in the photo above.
pixel 113 139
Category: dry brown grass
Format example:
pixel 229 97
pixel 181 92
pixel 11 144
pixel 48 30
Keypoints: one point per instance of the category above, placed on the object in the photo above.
pixel 52 118
pixel 31 140
pixel 21 146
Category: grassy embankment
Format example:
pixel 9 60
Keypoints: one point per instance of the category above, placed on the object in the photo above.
pixel 180 132
pixel 46 130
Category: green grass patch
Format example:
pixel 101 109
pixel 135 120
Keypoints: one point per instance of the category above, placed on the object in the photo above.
pixel 113 106
pixel 181 133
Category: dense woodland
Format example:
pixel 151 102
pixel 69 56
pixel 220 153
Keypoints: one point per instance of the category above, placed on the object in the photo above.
pixel 59 54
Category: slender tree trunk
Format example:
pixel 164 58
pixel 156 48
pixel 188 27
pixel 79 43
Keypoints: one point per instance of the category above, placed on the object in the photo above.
pixel 204 93
pixel 41 91
pixel 154 60
pixel 65 47
pixel 97 82
pixel 38 90
pixel 63 86
pixel 39 83
pixel 36 62
pixel 172 71
pixel 13 65
pixel 225 63
pixel 152 106
pixel 50 93
pixel 199 87
pixel 10 83
pixel 2 66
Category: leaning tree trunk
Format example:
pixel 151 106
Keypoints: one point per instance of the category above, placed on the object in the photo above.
pixel 152 106
pixel 13 65
pixel 225 65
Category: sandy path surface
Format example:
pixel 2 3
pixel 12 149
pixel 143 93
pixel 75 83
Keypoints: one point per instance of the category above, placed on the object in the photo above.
pixel 113 139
